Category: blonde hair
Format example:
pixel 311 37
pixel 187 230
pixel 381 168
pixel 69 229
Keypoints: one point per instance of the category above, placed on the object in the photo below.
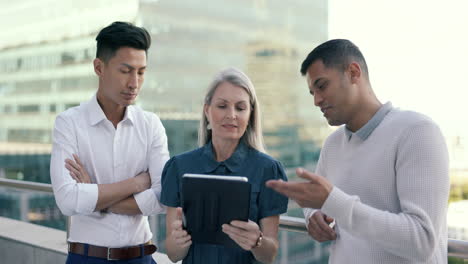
pixel 253 135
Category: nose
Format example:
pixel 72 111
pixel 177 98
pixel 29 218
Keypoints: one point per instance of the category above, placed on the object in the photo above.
pixel 231 113
pixel 133 81
pixel 318 99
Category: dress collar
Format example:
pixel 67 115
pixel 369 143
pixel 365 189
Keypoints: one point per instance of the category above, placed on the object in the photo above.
pixel 233 163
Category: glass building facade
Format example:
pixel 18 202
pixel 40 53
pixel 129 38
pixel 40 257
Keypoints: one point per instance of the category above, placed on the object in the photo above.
pixel 46 53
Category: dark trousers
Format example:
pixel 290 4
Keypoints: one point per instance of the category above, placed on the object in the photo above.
pixel 80 259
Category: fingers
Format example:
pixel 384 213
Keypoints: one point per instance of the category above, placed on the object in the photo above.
pixel 180 216
pixel 328 219
pixel 72 164
pixel 77 160
pixel 274 184
pixel 324 227
pixel 80 166
pixel 180 236
pixel 245 234
pixel 185 244
pixel 179 213
pixel 145 174
pixel 77 170
pixel 248 226
pixel 74 170
pixel 307 175
pixel 297 191
pixel 289 189
pixel 319 229
pixel 244 242
pixel 177 225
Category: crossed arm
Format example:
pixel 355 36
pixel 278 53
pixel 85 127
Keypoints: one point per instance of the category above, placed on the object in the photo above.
pixel 75 196
pixel 115 197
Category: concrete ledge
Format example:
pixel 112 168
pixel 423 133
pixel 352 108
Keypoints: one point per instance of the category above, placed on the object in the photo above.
pixel 25 243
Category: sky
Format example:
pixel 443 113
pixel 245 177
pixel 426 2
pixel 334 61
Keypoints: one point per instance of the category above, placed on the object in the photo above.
pixel 417 53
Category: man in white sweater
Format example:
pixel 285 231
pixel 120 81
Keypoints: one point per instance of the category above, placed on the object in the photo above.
pixel 380 190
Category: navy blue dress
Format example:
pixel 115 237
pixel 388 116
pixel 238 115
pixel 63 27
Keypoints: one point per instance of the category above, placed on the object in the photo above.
pixel 245 161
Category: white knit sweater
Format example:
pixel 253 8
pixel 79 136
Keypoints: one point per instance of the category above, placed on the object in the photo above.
pixel 390 192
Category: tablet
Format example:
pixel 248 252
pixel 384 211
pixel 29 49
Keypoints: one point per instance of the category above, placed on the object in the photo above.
pixel 209 201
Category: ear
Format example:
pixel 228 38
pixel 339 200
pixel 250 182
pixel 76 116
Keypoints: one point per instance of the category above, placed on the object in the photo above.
pixel 355 71
pixel 98 66
pixel 205 111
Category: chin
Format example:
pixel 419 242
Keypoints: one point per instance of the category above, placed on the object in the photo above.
pixel 230 137
pixel 334 123
pixel 127 103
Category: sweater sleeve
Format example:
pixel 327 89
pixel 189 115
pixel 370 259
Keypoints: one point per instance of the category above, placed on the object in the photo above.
pixel 422 182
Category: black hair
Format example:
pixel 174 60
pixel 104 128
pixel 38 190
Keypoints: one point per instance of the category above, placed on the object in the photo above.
pixel 118 35
pixel 336 53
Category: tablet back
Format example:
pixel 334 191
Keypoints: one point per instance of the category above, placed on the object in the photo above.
pixel 209 201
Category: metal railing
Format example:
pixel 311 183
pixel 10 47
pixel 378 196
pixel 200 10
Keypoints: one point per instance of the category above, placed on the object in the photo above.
pixel 27 185
pixel 456 248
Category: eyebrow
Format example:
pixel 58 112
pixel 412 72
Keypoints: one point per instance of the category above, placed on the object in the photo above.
pixel 131 67
pixel 224 100
pixel 317 81
pixel 315 84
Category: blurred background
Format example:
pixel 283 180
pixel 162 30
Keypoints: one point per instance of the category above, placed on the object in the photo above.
pixel 416 52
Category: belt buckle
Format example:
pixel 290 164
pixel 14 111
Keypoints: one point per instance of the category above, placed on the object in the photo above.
pixel 109 254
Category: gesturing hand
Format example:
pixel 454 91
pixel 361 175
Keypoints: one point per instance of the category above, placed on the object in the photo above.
pixel 77 170
pixel 180 237
pixel 319 227
pixel 312 193
pixel 245 234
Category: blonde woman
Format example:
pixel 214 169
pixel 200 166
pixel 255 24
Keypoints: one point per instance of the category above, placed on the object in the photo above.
pixel 231 143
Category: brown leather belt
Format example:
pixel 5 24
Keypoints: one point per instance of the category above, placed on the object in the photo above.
pixel 112 253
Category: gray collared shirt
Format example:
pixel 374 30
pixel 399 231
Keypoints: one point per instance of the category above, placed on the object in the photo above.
pixel 365 131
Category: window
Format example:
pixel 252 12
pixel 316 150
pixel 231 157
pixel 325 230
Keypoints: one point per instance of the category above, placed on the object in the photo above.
pixel 28 108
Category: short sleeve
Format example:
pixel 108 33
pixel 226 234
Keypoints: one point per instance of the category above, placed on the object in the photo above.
pixel 271 202
pixel 170 193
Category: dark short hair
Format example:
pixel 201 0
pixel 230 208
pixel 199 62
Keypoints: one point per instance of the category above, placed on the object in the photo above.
pixel 335 53
pixel 118 35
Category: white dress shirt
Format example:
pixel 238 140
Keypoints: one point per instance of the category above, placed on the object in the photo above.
pixel 109 155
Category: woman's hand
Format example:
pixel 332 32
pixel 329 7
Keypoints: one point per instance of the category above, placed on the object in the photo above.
pixel 179 235
pixel 77 170
pixel 245 234
pixel 178 241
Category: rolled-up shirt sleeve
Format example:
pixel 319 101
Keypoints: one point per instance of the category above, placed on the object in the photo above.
pixel 71 197
pixel 149 200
